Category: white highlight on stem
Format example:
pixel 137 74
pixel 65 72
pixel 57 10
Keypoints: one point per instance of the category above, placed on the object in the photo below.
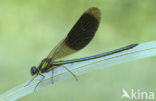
pixel 143 50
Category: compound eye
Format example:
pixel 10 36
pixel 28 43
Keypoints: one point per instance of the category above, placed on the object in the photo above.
pixel 34 70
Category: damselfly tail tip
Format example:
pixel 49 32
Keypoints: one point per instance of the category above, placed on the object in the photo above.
pixel 132 46
pixel 135 44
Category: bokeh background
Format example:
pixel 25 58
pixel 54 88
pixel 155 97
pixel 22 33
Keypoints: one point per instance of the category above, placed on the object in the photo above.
pixel 29 29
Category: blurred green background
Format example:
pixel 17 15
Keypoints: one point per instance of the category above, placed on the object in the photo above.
pixel 29 29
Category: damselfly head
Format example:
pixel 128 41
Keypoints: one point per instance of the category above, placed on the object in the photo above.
pixel 34 70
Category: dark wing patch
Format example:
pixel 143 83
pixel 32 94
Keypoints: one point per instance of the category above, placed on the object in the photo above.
pixel 84 30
